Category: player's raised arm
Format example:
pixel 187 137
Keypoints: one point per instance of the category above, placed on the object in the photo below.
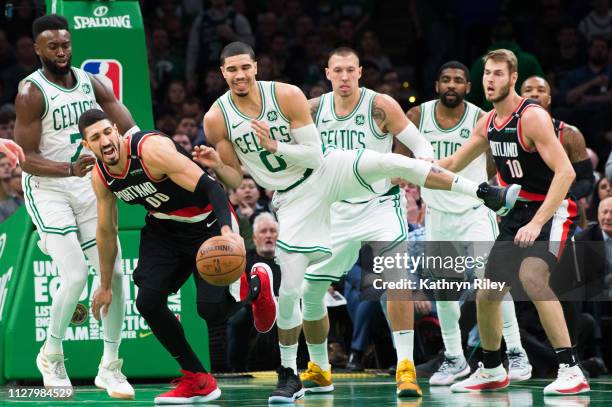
pixel 106 240
pixel 308 152
pixel 390 118
pixel 222 159
pixel 162 158
pixel 475 146
pixel 537 128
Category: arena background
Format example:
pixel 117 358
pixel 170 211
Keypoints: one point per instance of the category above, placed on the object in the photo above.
pixel 145 48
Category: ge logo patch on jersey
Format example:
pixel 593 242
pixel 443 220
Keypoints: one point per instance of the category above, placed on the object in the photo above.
pixel 272 115
pixel 465 133
pixel 109 69
pixel 360 119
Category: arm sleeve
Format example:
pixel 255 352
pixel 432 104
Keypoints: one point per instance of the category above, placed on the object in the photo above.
pixel 209 189
pixel 411 138
pixel 585 180
pixel 308 152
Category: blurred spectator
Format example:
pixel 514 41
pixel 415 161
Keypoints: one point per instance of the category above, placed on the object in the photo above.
pixel 603 190
pixel 303 25
pixel 267 26
pixel 8 203
pixel 214 86
pixel 528 65
pixel 570 54
pixel 27 62
pixel 7 124
pixel 7 57
pixel 279 53
pixel 265 68
pixel 594 163
pixel 165 120
pixel 391 78
pixel 240 325
pixel 20 24
pixel 13 184
pixel 588 92
pixel 291 11
pixel 317 90
pixel 345 33
pixel 175 95
pixel 165 64
pixel 189 126
pixel 247 199
pixel 184 141
pixel 215 27
pixel 598 22
pixel 309 60
pixel 371 51
pixel 192 108
pixel 370 77
pixel 359 11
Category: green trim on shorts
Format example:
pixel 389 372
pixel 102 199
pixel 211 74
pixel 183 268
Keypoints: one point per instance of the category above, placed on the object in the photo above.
pixel 494 225
pixel 90 243
pixel 276 104
pixel 301 249
pixel 403 233
pixel 324 277
pixel 37 219
pixel 356 172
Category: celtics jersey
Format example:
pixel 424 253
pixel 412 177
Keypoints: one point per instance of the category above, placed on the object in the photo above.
pixel 269 170
pixel 60 139
pixel 354 131
pixel 446 142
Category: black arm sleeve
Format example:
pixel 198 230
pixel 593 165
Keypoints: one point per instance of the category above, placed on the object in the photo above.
pixel 209 189
pixel 585 180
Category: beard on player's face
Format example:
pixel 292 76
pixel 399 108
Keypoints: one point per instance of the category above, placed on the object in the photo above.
pixel 112 147
pixel 451 98
pixel 504 91
pixel 56 69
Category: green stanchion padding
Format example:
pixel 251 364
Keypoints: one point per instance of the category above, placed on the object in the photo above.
pixel 131 217
pixel 144 357
pixel 14 236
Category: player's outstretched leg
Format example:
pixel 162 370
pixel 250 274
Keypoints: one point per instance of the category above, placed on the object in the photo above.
pixel 261 294
pixel 317 378
pixel 373 166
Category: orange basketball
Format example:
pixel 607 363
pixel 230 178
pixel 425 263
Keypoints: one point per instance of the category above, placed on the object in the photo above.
pixel 220 261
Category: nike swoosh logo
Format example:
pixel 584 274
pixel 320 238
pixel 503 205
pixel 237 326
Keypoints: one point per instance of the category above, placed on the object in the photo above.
pixel 427 131
pixel 491 129
pixel 109 183
pixel 236 125
pixel 54 97
pixel 326 121
pixel 211 223
pixel 145 334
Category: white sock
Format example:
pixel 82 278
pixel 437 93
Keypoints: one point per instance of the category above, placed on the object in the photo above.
pixel 53 345
pixel 111 351
pixel 494 370
pixel 318 354
pixel 404 344
pixel 464 186
pixel 510 329
pixel 288 356
pixel 448 314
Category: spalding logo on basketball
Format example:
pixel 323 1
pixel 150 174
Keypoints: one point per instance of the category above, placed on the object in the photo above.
pixel 220 261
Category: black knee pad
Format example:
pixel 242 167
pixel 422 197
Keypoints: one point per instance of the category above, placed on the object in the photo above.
pixel 217 313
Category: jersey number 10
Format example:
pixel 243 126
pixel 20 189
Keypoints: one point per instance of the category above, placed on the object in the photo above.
pixel 515 168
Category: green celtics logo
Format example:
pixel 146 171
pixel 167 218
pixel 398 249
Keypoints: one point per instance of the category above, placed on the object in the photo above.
pixel 360 119
pixel 465 133
pixel 272 115
pixel 86 88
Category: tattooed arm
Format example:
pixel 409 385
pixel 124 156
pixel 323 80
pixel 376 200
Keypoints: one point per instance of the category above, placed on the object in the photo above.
pixel 314 108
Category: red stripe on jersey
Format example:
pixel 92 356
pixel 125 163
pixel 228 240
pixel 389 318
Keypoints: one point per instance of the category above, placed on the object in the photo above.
pixel 101 175
pixel 501 127
pixel 127 165
pixel 191 211
pixel 142 163
pixel 531 196
pixel 572 210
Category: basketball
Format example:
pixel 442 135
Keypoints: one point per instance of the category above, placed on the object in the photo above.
pixel 220 261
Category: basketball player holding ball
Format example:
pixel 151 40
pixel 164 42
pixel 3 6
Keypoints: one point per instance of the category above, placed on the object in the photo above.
pixel 185 208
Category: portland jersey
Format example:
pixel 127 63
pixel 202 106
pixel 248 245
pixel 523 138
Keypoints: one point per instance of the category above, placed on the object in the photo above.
pixel 354 131
pixel 269 170
pixel 60 139
pixel 162 198
pixel 515 162
pixel 446 142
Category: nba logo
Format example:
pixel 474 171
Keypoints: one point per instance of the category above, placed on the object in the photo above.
pixel 110 69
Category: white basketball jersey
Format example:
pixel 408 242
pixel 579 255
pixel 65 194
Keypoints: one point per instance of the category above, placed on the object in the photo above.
pixel 269 170
pixel 60 138
pixel 445 142
pixel 354 131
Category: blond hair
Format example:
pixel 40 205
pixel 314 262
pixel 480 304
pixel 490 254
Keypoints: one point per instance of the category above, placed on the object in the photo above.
pixel 503 55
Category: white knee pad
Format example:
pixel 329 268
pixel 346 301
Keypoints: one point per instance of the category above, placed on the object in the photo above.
pixel 312 299
pixel 289 313
pixel 293 266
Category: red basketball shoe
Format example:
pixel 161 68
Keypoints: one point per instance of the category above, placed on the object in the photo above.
pixel 264 305
pixel 191 388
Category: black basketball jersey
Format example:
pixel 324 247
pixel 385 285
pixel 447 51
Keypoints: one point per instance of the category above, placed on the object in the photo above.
pixel 515 162
pixel 162 198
